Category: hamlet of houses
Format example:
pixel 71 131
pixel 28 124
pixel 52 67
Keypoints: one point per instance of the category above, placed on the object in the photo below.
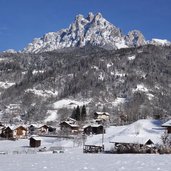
pixel 72 127
pixel 68 126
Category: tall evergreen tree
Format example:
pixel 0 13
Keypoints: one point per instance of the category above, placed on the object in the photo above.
pixel 73 115
pixel 83 113
pixel 78 113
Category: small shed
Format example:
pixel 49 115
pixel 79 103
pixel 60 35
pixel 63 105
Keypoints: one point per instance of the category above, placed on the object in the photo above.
pixel 93 149
pixel 35 142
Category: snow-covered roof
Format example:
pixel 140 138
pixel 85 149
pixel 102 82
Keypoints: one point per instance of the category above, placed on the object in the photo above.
pixel 92 125
pixel 167 124
pixel 70 124
pixel 37 138
pixel 96 125
pixel 45 126
pixel 130 139
pixel 85 126
pixel 13 127
pixel 70 119
pixel 37 125
pixel 102 113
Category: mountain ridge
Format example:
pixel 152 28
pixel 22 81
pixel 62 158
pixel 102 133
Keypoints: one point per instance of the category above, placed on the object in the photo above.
pixel 93 29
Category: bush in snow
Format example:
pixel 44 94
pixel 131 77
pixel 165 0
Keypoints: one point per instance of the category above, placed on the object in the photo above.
pixel 166 147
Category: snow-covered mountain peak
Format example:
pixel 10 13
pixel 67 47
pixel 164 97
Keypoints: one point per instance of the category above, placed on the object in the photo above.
pixel 93 29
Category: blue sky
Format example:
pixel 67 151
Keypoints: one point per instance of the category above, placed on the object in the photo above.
pixel 23 20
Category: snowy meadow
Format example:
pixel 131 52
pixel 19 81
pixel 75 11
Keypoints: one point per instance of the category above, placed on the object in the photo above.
pixel 75 160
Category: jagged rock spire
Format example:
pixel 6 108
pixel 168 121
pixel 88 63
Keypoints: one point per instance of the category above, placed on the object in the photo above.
pixel 90 16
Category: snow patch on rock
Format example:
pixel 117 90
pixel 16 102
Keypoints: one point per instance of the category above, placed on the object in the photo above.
pixel 118 101
pixel 44 93
pixel 6 85
pixel 130 58
pixel 161 42
pixel 140 87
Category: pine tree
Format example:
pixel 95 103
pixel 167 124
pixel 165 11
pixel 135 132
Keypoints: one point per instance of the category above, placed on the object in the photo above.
pixel 73 115
pixel 78 114
pixel 83 113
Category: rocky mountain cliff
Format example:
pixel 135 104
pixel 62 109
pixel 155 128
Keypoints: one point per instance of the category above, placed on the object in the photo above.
pixel 94 30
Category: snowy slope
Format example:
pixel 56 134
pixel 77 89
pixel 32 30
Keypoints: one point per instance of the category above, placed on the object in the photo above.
pixel 140 130
pixel 69 103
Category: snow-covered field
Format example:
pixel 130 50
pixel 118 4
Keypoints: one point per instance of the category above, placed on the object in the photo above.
pixel 75 160
pixel 20 157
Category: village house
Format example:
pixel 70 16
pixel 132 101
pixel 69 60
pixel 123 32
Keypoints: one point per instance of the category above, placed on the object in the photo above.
pixel 40 129
pixel 44 129
pixel 93 129
pixel 32 129
pixel 69 126
pixel 167 126
pixel 7 132
pixel 14 132
pixel 21 132
pixel 102 117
